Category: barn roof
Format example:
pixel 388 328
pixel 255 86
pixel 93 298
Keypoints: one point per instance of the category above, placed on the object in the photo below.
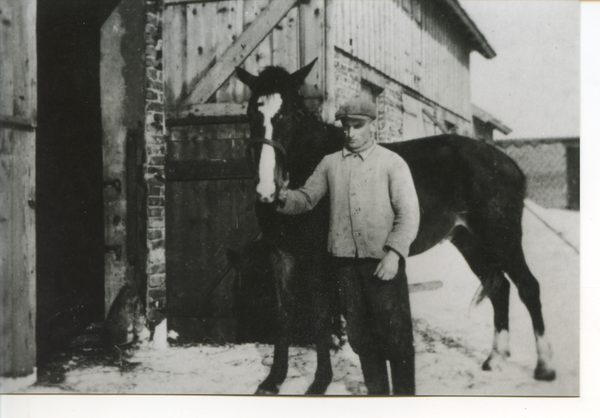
pixel 487 118
pixel 480 44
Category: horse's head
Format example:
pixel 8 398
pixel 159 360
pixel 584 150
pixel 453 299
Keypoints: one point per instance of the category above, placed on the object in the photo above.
pixel 275 108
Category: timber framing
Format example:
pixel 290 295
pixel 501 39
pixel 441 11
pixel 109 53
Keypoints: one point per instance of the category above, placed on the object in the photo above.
pixel 208 114
pixel 437 123
pixel 224 67
pixel 17 122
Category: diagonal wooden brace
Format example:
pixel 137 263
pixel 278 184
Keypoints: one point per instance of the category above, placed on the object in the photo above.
pixel 239 51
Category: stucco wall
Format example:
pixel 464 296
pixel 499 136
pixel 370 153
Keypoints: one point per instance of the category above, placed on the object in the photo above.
pixel 121 82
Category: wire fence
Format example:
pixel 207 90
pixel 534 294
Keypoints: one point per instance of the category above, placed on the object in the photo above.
pixel 551 167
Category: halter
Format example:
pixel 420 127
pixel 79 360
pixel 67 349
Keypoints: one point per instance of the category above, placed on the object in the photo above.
pixel 272 143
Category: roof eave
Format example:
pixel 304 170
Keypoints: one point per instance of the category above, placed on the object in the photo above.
pixel 485 117
pixel 481 44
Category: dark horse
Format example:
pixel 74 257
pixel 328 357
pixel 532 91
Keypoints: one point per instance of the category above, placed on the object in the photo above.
pixel 469 193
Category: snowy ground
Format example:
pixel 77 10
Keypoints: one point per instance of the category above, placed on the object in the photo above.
pixel 452 336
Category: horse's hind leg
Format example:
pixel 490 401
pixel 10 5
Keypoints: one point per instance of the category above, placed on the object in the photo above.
pixel 499 235
pixel 529 292
pixel 282 267
pixel 496 288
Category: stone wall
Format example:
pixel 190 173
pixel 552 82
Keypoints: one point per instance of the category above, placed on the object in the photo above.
pixel 400 109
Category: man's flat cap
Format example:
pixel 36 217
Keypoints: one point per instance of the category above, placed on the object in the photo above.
pixel 357 108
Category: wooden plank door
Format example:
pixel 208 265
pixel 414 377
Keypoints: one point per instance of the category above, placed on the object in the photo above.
pixel 209 210
pixel 18 101
pixel 210 189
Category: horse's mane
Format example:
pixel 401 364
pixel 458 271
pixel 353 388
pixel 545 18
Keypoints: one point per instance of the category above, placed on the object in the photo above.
pixel 273 79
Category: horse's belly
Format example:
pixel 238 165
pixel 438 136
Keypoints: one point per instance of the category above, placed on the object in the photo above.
pixel 435 229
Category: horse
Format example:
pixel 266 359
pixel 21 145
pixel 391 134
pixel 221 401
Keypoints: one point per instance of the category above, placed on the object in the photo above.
pixel 469 192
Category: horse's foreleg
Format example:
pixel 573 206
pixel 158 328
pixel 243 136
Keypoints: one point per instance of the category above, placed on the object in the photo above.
pixel 324 373
pixel 279 369
pixel 323 296
pixel 282 265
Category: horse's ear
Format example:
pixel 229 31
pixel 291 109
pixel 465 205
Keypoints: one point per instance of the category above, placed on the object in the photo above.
pixel 299 76
pixel 246 78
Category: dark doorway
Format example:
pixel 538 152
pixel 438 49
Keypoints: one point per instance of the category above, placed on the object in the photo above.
pixel 573 183
pixel 69 178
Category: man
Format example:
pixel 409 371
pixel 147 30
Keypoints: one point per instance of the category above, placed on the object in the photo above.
pixel 374 219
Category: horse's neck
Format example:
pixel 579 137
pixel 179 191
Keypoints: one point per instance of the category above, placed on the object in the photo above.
pixel 312 142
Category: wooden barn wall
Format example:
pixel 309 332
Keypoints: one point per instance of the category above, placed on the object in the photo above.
pixel 197 35
pixel 18 108
pixel 420 48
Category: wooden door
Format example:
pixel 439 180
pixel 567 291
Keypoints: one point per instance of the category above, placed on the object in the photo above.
pixel 18 101
pixel 210 192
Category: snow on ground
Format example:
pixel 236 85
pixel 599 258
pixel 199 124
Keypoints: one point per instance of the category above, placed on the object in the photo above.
pixel 452 336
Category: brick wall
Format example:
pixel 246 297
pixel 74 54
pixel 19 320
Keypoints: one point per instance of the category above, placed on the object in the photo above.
pixel 154 167
pixel 352 78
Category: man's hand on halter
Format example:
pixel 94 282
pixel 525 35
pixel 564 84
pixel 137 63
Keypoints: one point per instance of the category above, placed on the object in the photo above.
pixel 282 196
pixel 388 266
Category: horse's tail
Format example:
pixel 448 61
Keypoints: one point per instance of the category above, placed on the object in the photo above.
pixel 490 283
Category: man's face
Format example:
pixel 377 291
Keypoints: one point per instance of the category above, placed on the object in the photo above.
pixel 358 132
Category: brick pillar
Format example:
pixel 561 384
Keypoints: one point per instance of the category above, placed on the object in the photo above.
pixel 154 169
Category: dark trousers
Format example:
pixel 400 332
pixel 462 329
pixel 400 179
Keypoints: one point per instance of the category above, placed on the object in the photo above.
pixel 379 324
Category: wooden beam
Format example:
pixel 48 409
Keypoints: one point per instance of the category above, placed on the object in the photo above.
pixel 192 120
pixel 329 57
pixel 223 110
pixel 435 121
pixel 17 122
pixel 239 51
pixel 233 168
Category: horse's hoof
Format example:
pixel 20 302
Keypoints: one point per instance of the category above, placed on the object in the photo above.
pixel 495 362
pixel 316 390
pixel 266 392
pixel 544 374
pixel 492 364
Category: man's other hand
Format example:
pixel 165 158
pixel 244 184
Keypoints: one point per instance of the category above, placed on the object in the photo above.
pixel 388 266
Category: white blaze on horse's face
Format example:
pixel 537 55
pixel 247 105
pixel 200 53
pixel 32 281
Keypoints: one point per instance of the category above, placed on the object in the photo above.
pixel 268 106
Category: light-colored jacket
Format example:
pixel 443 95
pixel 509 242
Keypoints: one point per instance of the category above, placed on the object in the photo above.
pixel 373 202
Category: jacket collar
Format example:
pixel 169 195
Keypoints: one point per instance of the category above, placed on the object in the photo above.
pixel 363 154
